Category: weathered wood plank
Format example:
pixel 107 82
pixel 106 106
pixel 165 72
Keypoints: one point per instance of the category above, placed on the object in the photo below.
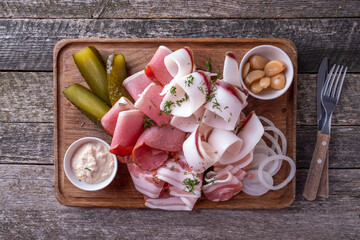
pixel 314 38
pixel 32 143
pixel 178 9
pixel 343 149
pixel 27 97
pixel 27 143
pixel 347 111
pixel 27 200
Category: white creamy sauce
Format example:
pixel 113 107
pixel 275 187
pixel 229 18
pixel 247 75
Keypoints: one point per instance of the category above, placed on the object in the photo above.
pixel 92 163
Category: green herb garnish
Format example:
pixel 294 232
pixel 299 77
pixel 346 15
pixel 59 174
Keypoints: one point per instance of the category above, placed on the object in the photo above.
pixel 190 184
pixel 189 80
pixel 208 66
pixel 148 122
pixel 88 169
pixel 173 90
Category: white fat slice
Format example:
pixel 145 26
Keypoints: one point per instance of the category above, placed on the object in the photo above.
pixel 227 145
pixel 174 174
pixel 251 132
pixel 188 124
pixel 240 163
pixel 224 109
pixel 180 63
pixel 199 154
pixel 231 70
pixel 171 203
pixel 186 95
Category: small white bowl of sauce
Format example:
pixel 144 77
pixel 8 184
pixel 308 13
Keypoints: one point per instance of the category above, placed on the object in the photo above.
pixel 89 165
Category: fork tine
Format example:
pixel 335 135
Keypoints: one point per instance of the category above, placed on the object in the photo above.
pixel 331 82
pixel 327 81
pixel 340 85
pixel 333 90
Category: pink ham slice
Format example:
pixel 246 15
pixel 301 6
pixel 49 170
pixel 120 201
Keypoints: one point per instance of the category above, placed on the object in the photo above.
pixel 149 103
pixel 156 70
pixel 109 120
pixel 152 147
pixel 145 182
pixel 129 127
pixel 136 83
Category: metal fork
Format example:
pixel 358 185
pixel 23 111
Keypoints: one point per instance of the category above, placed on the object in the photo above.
pixel 329 97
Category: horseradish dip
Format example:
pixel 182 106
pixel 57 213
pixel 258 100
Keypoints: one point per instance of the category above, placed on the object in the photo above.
pixel 92 163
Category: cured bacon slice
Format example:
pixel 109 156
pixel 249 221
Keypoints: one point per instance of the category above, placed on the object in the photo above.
pixel 181 176
pixel 227 145
pixel 129 127
pixel 231 70
pixel 152 147
pixel 136 84
pixel 188 124
pixel 224 109
pixel 223 185
pixel 250 132
pixel 156 70
pixel 180 63
pixel 145 181
pixel 186 95
pixel 109 120
pixel 149 103
pixel 199 154
pixel 169 202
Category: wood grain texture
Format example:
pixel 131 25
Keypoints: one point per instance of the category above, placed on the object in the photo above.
pixel 314 38
pixel 26 143
pixel 26 97
pixel 21 89
pixel 138 53
pixel 316 167
pixel 178 9
pixel 31 143
pixel 27 200
pixel 323 190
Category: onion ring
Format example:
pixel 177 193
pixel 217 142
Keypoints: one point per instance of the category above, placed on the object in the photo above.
pixel 286 181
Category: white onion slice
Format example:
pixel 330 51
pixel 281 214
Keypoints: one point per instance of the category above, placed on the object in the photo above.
pixel 285 182
pixel 271 124
pixel 282 136
pixel 252 185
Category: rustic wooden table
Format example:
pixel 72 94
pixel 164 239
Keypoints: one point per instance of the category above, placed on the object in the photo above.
pixel 29 30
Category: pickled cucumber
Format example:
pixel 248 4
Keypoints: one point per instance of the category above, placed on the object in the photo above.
pixel 116 74
pixel 92 68
pixel 87 102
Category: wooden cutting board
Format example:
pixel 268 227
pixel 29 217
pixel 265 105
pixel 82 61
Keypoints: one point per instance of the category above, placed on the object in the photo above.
pixel 71 125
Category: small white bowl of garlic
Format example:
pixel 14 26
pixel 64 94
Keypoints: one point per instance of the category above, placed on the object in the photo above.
pixel 266 72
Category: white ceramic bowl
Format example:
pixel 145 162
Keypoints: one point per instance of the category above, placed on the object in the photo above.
pixel 70 173
pixel 272 53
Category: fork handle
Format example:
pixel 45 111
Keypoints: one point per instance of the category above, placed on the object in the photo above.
pixel 323 190
pixel 316 167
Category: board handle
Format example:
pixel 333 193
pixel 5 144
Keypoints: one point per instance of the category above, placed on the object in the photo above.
pixel 316 166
